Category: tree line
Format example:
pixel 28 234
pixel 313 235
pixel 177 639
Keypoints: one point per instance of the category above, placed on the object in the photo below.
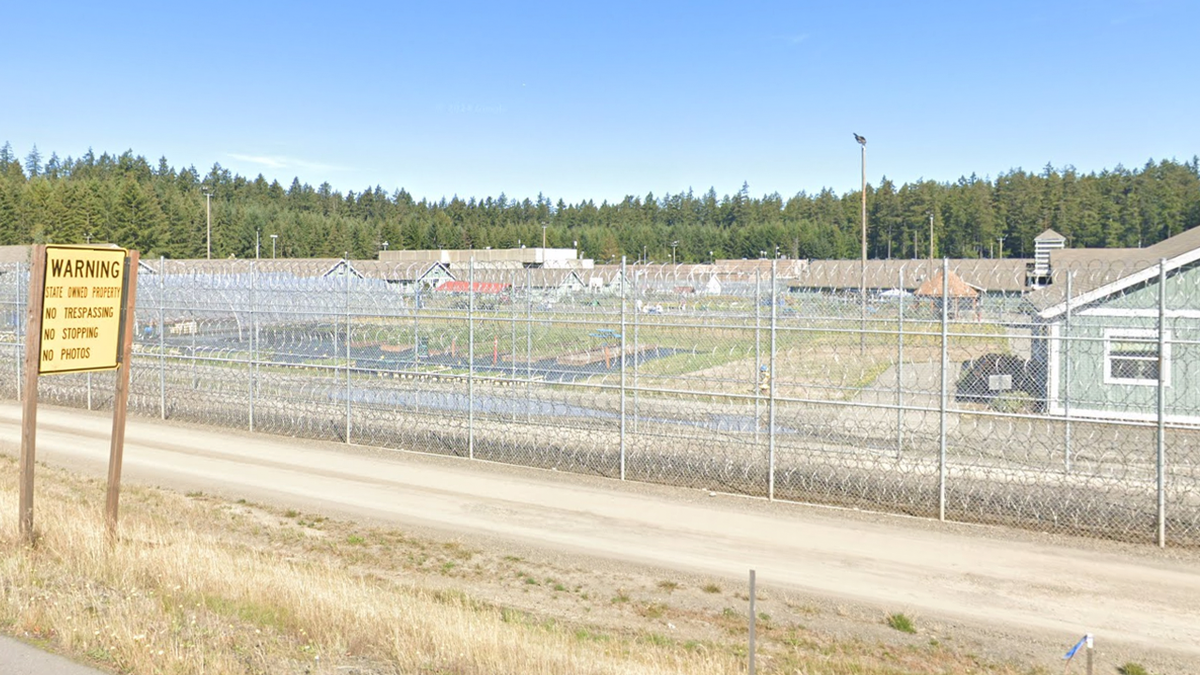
pixel 161 211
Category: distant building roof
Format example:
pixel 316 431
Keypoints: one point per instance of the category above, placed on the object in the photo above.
pixel 951 284
pixel 300 267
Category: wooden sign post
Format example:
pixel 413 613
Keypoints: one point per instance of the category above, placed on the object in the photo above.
pixel 81 319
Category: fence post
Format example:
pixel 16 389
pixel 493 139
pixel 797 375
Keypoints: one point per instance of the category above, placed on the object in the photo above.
pixel 253 362
pixel 944 388
pixel 528 345
pixel 900 369
pixel 756 376
pixel 624 294
pixel 22 292
pixel 771 387
pixel 162 332
pixel 346 276
pixel 1161 439
pixel 512 342
pixel 751 650
pixel 1066 372
pixel 471 359
pixel 636 324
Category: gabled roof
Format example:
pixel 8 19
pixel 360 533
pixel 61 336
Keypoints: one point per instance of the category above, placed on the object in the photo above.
pixel 399 271
pixel 1098 273
pixel 1049 235
pixel 953 284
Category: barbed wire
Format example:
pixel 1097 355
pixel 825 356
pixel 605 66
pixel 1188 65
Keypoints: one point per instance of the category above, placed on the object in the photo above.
pixel 938 389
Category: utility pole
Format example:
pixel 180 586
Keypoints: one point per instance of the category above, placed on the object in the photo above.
pixel 931 241
pixel 1001 240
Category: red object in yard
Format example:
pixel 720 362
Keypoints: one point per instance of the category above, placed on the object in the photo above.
pixel 485 287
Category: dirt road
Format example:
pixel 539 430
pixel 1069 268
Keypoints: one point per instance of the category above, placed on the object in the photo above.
pixel 1008 582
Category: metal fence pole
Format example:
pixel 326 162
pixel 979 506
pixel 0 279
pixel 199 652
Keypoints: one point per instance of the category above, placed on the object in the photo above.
pixel 771 388
pixel 24 274
pixel 416 312
pixel 756 376
pixel 512 342
pixel 471 358
pixel 636 324
pixel 346 276
pixel 900 370
pixel 162 332
pixel 624 295
pixel 944 389
pixel 528 345
pixel 1066 373
pixel 253 360
pixel 1161 436
pixel 752 649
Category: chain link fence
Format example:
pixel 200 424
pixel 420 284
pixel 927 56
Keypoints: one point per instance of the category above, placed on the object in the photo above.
pixel 945 390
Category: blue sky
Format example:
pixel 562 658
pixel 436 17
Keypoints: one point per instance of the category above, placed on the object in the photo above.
pixel 603 100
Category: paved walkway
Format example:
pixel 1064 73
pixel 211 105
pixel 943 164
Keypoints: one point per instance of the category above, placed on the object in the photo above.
pixel 18 658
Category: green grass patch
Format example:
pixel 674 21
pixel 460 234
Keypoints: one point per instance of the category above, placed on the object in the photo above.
pixel 901 623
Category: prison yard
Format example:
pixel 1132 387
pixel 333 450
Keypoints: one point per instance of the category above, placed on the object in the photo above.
pixel 1022 392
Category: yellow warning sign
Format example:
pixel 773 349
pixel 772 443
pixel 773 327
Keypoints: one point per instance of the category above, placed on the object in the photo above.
pixel 81 314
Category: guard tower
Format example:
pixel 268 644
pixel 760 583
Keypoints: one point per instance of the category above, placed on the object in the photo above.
pixel 1043 244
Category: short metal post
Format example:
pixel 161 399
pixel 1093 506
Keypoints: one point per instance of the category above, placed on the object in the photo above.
pixel 751 649
pixel 1090 654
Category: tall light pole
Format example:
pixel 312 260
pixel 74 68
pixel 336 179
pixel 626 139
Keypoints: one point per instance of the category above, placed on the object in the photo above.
pixel 208 220
pixel 931 243
pixel 674 244
pixel 543 235
pixel 862 289
pixel 273 238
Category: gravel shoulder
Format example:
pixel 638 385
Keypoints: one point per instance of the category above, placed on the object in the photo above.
pixel 1005 595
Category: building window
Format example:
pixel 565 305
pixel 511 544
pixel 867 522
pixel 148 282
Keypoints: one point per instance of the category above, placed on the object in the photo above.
pixel 1131 357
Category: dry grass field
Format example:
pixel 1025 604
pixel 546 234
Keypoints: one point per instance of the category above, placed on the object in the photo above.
pixel 196 584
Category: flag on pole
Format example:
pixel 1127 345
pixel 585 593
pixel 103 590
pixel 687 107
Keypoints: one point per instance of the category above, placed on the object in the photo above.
pixel 1085 640
pixel 1082 641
